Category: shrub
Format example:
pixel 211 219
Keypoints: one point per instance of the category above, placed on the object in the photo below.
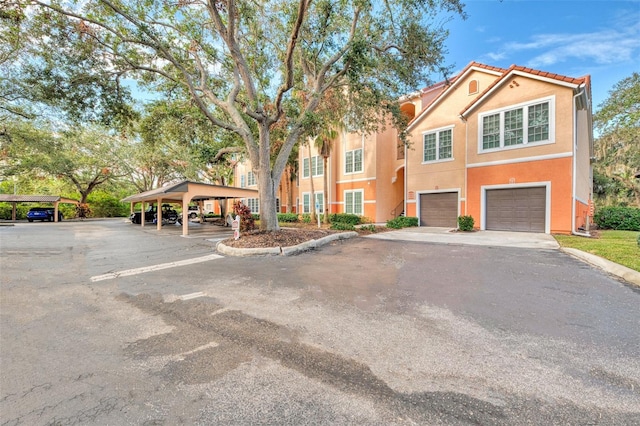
pixel 618 218
pixel 342 226
pixel 106 205
pixel 352 219
pixel 465 223
pixel 306 218
pixel 246 218
pixel 6 211
pixel 287 217
pixel 402 222
pixel 370 228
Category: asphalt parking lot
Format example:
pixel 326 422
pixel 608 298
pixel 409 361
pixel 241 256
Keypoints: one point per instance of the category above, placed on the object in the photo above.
pixel 102 322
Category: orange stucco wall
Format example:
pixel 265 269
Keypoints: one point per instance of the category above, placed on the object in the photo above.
pixel 369 188
pixel 582 215
pixel 557 172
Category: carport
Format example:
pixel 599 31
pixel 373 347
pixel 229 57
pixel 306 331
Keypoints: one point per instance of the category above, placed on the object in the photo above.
pixel 54 199
pixel 183 193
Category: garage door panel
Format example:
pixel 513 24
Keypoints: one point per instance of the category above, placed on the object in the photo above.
pixel 516 209
pixel 440 209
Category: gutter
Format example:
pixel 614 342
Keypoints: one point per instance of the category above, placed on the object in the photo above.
pixel 573 190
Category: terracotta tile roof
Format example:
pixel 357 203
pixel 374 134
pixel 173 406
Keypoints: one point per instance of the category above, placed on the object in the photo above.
pixel 553 76
pixel 513 68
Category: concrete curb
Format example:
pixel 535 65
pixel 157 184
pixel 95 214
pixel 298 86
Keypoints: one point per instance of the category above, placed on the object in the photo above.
pixel 283 251
pixel 613 268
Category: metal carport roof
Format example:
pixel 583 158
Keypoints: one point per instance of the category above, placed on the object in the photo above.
pixel 186 191
pixel 55 199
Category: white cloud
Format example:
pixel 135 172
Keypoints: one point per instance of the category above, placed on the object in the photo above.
pixel 616 45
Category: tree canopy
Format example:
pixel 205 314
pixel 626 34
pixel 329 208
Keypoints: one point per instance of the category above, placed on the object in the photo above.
pixel 84 157
pixel 253 68
pixel 618 145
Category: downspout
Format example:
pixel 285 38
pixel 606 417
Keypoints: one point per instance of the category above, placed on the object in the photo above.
pixel 574 179
pixel 406 193
pixel 466 169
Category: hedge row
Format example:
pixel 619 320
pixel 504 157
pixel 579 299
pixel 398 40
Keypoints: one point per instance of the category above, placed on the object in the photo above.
pixel 618 218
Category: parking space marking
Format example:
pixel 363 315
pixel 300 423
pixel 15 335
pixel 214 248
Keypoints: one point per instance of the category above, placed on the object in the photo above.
pixel 191 296
pixel 144 269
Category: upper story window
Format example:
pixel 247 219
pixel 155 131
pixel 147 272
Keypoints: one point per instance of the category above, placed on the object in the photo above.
pixel 243 181
pixel 251 179
pixel 353 161
pixel 438 145
pixel 316 167
pixel 517 126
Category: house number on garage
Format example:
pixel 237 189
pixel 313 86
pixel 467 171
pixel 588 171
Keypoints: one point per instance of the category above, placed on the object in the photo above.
pixel 235 225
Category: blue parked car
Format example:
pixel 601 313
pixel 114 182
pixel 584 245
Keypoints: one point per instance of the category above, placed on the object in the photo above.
pixel 42 214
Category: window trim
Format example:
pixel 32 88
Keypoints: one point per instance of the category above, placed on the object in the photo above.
pixel 353 162
pixel 310 170
pixel 317 194
pixel 437 133
pixel 251 178
pixel 353 191
pixel 551 100
pixel 248 201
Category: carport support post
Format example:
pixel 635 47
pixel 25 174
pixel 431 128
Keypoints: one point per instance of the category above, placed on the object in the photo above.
pixel 159 214
pixel 185 216
pixel 142 214
pixel 55 211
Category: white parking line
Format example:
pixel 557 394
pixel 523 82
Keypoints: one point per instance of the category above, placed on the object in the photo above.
pixel 144 269
pixel 191 296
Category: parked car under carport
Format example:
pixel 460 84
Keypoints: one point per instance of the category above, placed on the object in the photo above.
pixel 42 214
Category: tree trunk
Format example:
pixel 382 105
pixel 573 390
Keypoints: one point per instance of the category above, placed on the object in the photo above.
pixel 312 200
pixel 326 192
pixel 267 185
pixel 290 192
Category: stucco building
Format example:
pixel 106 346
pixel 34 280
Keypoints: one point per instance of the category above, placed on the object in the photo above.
pixel 510 147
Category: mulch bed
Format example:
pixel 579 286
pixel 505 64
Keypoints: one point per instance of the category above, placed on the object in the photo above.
pixel 280 238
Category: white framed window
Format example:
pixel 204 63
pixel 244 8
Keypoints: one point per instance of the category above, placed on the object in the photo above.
pixel 305 167
pixel 243 181
pixel 517 126
pixel 316 167
pixel 353 161
pixel 253 204
pixel 251 179
pixel 354 202
pixel 306 202
pixel 319 201
pixel 437 145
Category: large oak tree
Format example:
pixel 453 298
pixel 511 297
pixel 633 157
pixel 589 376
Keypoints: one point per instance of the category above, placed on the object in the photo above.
pixel 252 67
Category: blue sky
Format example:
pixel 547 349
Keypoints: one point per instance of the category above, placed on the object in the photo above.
pixel 568 37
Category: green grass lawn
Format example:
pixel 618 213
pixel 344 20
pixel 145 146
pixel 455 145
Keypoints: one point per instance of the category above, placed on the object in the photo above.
pixel 617 246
